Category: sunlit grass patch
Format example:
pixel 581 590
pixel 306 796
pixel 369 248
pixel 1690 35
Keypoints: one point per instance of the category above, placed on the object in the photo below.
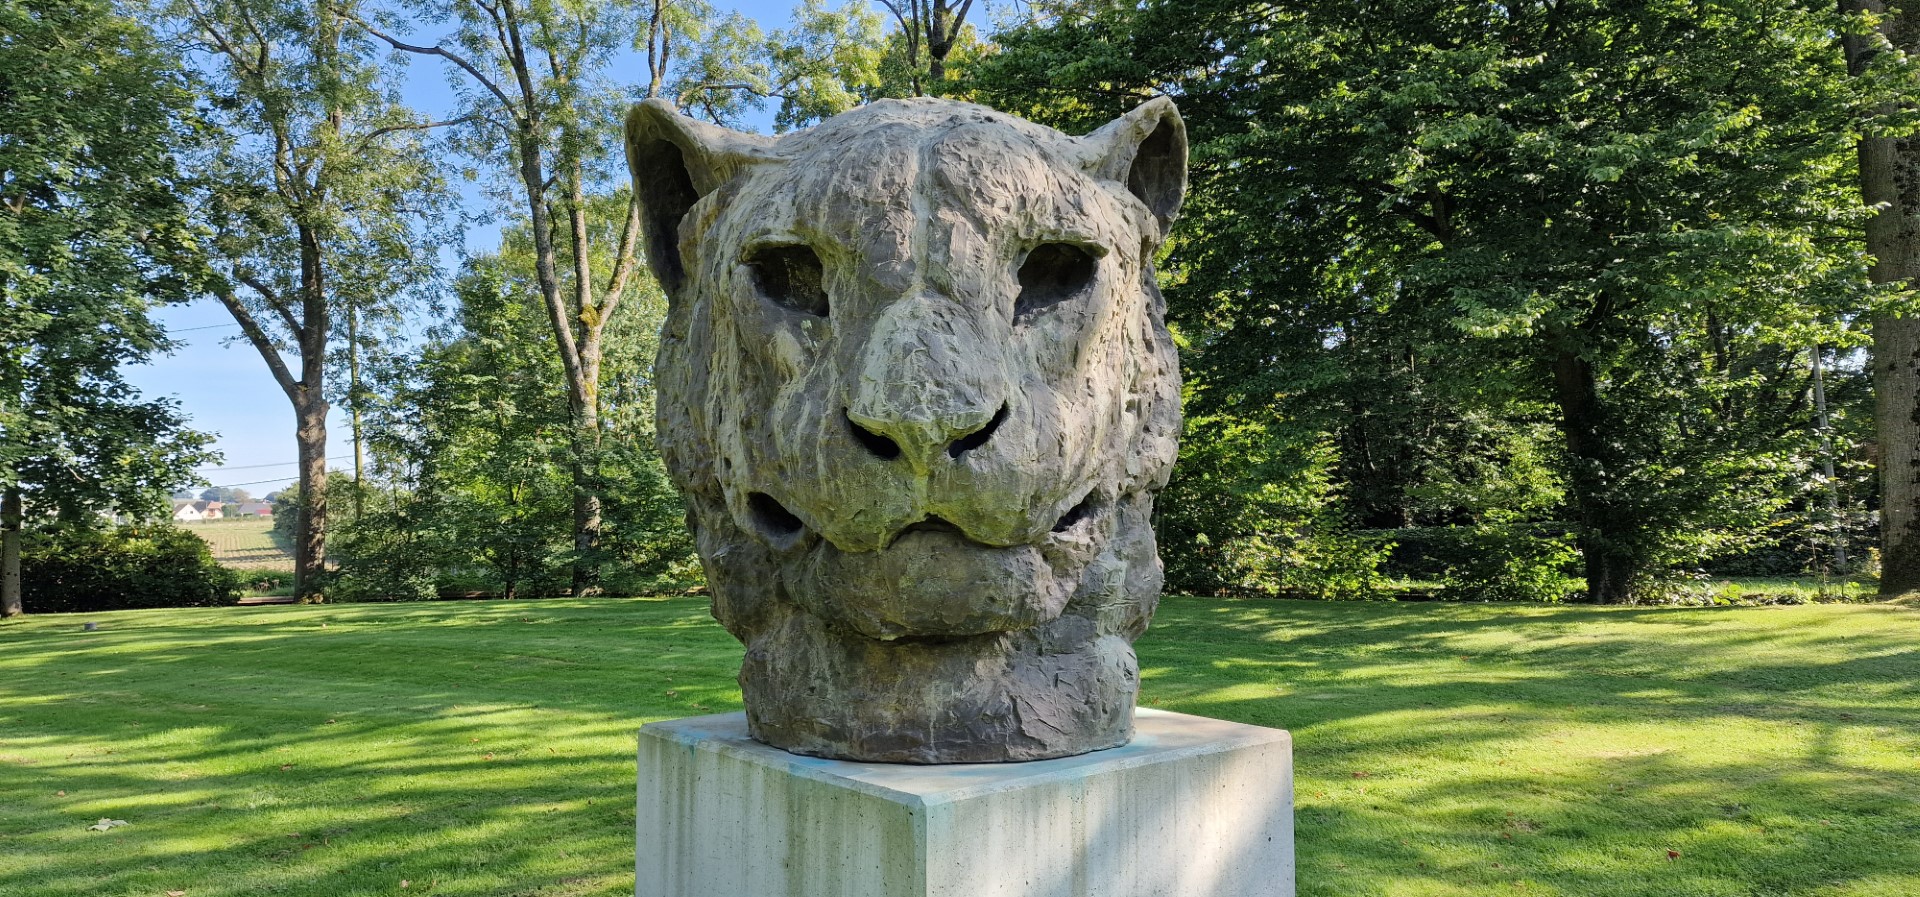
pixel 486 747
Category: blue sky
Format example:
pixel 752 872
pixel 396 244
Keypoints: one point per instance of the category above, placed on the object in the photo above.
pixel 223 385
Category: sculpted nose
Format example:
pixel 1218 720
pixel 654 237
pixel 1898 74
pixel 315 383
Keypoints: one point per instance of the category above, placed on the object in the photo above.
pixel 930 381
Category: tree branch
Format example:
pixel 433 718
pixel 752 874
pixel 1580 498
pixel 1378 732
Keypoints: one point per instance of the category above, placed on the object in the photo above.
pixel 709 86
pixel 266 292
pixel 623 266
pixel 448 55
pixel 259 339
pixel 367 138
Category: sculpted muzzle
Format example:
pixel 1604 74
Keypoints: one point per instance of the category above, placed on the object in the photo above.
pixel 918 390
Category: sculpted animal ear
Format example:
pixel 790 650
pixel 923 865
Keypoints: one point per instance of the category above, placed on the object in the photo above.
pixel 1146 149
pixel 675 160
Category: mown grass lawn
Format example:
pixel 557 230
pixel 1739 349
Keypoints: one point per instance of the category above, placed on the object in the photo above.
pixel 484 748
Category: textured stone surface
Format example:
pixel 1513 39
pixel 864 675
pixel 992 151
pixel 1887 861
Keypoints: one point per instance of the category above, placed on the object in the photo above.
pixel 1192 808
pixel 916 385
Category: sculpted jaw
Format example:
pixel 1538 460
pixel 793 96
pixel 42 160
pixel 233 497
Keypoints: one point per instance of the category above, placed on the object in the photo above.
pixel 917 387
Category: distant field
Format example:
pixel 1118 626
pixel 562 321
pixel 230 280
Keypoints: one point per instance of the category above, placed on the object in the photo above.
pixel 246 543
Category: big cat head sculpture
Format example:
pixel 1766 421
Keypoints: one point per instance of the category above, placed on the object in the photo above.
pixel 917 386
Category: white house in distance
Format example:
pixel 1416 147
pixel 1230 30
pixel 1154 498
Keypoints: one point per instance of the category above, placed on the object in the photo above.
pixel 249 509
pixel 195 511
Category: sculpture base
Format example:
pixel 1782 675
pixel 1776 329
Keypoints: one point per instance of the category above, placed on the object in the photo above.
pixel 1192 807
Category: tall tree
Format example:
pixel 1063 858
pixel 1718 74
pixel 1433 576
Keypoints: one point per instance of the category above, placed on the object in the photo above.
pixel 94 234
pixel 538 73
pixel 1881 44
pixel 1630 217
pixel 319 195
pixel 473 437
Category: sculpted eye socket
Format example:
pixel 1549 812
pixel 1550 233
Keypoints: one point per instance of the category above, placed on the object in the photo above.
pixel 1052 274
pixel 790 276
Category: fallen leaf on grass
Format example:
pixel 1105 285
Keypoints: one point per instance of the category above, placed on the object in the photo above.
pixel 405 883
pixel 286 767
pixel 176 894
pixel 59 794
pixel 1673 854
pixel 107 824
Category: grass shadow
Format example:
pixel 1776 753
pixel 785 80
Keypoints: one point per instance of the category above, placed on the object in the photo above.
pixel 486 747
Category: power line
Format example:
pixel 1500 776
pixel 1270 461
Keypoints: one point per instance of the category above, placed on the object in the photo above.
pixel 259 466
pixel 252 483
pixel 207 327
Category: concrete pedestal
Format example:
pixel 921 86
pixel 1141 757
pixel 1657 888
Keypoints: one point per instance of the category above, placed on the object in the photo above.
pixel 1193 807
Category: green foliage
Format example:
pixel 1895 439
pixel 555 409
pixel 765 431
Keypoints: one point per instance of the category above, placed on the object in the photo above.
pixel 832 59
pixel 1510 563
pixel 474 436
pixel 94 235
pixel 325 190
pixel 71 568
pixel 1508 263
pixel 380 553
pixel 1248 514
pixel 724 67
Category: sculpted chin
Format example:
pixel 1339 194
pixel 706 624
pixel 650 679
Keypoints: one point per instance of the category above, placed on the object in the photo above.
pixel 917 387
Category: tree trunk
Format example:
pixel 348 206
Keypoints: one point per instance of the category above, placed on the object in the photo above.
pixel 1611 564
pixel 1825 427
pixel 580 397
pixel 310 423
pixel 936 69
pixel 354 400
pixel 659 48
pixel 10 522
pixel 1896 395
pixel 944 22
pixel 586 512
pixel 585 393
pixel 310 526
pixel 1890 180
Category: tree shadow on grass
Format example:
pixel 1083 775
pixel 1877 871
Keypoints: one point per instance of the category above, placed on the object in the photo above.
pixel 1465 751
pixel 485 748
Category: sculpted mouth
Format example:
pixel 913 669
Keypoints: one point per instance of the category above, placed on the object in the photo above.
pixel 936 525
pixel 783 528
pixel 932 525
pixel 1074 518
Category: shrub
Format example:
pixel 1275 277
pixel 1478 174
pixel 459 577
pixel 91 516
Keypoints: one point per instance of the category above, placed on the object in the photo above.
pixel 79 569
pixel 1510 563
pixel 266 581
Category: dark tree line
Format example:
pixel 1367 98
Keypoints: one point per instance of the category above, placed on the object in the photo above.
pixel 1553 272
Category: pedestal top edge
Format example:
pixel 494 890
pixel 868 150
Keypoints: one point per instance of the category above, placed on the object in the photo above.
pixel 1159 736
